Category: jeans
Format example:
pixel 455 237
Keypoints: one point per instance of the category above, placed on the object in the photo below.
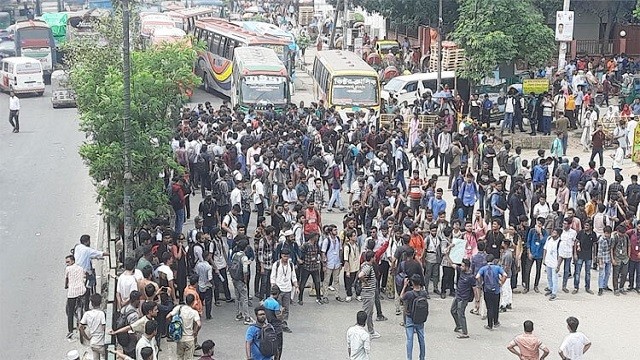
pixel 595 152
pixel 546 125
pixel 573 197
pixel 206 297
pixel 493 304
pixel 526 275
pixel 304 276
pixel 634 273
pixel 246 216
pixel 617 171
pixel 350 177
pixel 220 283
pixel 552 280
pixel 448 274
pixel 265 284
pixel 418 329
pixel 401 180
pixel 179 220
pixel 453 174
pixel 603 275
pixel 444 164
pixel 506 124
pixel 242 298
pixel 13 115
pixel 587 274
pixel 368 302
pixel 458 309
pixel 566 263
pixel 565 143
pixel 620 275
pixel 335 198
pixel 349 281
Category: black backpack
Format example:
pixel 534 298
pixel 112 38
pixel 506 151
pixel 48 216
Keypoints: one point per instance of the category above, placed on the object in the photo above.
pixel 510 165
pixel 268 340
pixel 236 270
pixel 191 257
pixel 420 308
pixel 405 161
pixel 124 339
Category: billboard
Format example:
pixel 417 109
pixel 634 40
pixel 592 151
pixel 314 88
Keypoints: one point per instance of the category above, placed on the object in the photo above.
pixel 564 26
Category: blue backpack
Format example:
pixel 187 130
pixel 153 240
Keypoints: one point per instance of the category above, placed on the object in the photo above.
pixel 491 284
pixel 176 327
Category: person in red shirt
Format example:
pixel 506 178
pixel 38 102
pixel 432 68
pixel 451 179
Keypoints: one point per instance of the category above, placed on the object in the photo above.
pixel 597 144
pixel 416 241
pixel 415 190
pixel 634 258
pixel 313 222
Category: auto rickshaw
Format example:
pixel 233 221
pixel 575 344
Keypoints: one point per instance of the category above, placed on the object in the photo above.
pixel 62 94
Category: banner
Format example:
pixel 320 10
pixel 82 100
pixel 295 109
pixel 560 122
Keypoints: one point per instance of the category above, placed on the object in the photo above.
pixel 564 26
pixel 536 86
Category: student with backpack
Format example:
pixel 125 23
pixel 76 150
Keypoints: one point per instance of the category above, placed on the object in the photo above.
pixel 239 271
pixel 183 328
pixel 261 338
pixel 493 276
pixel 416 313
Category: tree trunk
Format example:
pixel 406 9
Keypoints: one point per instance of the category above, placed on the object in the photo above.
pixel 335 22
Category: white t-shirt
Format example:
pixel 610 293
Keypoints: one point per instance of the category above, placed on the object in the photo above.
pixel 236 196
pixel 567 240
pixel 165 270
pixel 573 345
pixel 14 103
pixel 258 189
pixel 189 317
pixel 126 284
pixel 551 258
pixel 540 210
pixel 95 321
pixel 143 343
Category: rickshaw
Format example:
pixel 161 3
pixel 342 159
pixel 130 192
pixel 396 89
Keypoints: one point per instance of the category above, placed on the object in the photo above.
pixel 62 94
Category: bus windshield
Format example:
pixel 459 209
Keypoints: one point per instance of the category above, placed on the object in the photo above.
pixel 355 90
pixel 27 37
pixel 262 88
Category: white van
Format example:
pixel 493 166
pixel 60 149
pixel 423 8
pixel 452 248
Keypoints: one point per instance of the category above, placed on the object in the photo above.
pixel 21 75
pixel 407 88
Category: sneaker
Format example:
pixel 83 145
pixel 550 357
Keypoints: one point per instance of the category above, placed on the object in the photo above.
pixel 347 299
pixel 623 291
pixel 443 295
pixel 325 300
pixel 600 292
pixel 547 293
pixel 496 325
pixel 502 309
pixel 508 307
pixel 638 291
pixel 318 301
pixel 229 301
pixel 359 298
pixel 331 288
pixel 616 292
pixel 239 317
pixel 287 330
pixel 398 312
pixel 552 297
pixel 339 299
pixel 248 321
pixel 488 327
pixel 575 291
pixel 300 302
pixel 536 290
pixel 463 336
pixel 525 291
pixel 381 318
pixel 376 335
pixel 565 290
pixel 69 336
pixel 589 291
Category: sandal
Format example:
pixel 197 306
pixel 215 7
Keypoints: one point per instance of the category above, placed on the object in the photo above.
pixel 474 311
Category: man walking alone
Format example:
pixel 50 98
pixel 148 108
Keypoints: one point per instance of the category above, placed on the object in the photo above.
pixel 14 112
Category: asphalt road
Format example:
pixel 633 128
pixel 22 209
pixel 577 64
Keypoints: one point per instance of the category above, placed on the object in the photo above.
pixel 47 203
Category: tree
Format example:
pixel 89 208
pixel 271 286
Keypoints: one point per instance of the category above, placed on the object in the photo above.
pixel 413 13
pixel 636 12
pixel 159 77
pixel 499 31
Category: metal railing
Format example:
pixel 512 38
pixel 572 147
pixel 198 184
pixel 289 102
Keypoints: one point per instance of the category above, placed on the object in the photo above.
pixel 594 47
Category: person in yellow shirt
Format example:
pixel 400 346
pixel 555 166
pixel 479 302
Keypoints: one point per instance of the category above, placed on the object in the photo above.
pixel 570 110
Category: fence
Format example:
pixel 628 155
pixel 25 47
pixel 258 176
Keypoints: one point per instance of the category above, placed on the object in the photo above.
pixel 426 121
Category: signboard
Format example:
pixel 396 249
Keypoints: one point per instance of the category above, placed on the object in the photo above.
pixel 264 80
pixel 636 144
pixel 564 26
pixel 536 86
pixel 456 254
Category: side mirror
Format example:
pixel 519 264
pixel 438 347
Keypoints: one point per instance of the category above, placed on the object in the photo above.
pixel 403 91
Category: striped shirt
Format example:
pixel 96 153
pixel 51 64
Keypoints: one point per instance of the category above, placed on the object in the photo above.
pixel 369 279
pixel 75 281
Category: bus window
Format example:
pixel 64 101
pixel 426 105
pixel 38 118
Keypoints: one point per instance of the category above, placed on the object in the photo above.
pixel 215 44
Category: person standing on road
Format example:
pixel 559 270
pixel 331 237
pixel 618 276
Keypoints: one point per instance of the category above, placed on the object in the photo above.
pixel 190 327
pixel 74 279
pixel 92 327
pixel 310 266
pixel 620 259
pixel 14 112
pixel 204 272
pixel 359 339
pixel 239 273
pixel 83 254
pixel 464 295
pixel 252 336
pixel 576 344
pixel 604 260
pixel 368 278
pixel 583 254
pixel 408 297
pixel 566 250
pixel 551 261
pixel 529 345
pixel 275 317
pixel 493 277
pixel 283 275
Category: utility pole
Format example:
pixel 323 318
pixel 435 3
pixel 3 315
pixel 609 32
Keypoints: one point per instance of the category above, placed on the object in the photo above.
pixel 439 66
pixel 345 28
pixel 562 52
pixel 126 118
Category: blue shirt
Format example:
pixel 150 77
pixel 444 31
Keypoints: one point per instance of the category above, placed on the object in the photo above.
pixel 468 193
pixel 535 243
pixel 437 206
pixel 253 333
pixel 497 271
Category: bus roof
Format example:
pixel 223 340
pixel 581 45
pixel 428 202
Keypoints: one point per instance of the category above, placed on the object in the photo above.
pixel 343 61
pixel 30 24
pixel 255 58
pixel 266 29
pixel 21 60
pixel 236 32
pixel 185 13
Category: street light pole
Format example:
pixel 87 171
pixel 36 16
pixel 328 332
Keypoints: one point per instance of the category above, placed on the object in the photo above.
pixel 126 119
pixel 439 66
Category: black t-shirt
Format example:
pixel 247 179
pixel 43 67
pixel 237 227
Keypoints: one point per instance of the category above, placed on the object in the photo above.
pixel 400 253
pixel 494 242
pixel 208 211
pixel 412 267
pixel 586 242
